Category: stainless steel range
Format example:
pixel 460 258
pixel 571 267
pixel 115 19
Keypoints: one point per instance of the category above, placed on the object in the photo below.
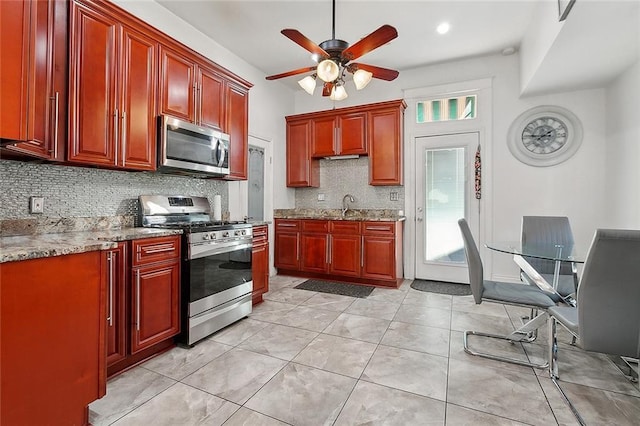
pixel 216 266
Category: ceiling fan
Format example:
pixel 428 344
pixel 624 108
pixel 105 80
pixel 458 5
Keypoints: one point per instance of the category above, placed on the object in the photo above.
pixel 334 58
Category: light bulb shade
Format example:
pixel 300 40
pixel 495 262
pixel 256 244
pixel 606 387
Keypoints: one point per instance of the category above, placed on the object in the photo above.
pixel 308 84
pixel 338 93
pixel 361 78
pixel 328 70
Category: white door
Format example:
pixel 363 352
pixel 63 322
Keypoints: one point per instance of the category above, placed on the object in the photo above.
pixel 445 192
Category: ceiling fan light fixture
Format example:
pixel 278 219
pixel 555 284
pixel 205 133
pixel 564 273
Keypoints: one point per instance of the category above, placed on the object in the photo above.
pixel 328 70
pixel 308 84
pixel 361 78
pixel 338 93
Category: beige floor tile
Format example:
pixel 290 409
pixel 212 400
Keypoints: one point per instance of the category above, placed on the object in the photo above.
pixel 417 297
pixel 308 318
pixel 179 362
pixel 373 309
pixel 500 392
pixel 246 417
pixel 337 355
pixel 302 395
pixel 330 302
pixel 415 337
pixel 457 416
pixel 289 295
pixel 236 375
pixel 358 327
pixel 181 405
pixel 399 408
pixel 411 371
pixel 279 341
pixel 238 332
pixel 424 315
pixel 461 321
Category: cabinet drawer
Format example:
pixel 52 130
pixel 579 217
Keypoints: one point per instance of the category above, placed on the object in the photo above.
pixel 321 226
pixel 260 234
pixel 344 227
pixel 287 225
pixel 158 249
pixel 378 228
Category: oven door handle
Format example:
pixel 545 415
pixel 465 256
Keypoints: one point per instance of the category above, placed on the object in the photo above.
pixel 197 251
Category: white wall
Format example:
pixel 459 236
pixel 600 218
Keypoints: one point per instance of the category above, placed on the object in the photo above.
pixel 622 180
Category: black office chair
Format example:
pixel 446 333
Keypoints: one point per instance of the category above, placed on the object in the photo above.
pixel 607 319
pixel 516 294
pixel 548 230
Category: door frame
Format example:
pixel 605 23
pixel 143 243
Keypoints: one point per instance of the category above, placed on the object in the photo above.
pixel 482 124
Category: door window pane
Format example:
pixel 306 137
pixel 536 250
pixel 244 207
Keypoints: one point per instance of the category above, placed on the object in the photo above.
pixel 445 204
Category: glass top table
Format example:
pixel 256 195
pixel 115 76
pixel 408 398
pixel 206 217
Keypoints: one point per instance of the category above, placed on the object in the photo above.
pixel 554 252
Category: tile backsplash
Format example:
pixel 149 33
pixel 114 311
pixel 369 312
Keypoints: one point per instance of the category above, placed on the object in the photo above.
pixel 87 192
pixel 341 177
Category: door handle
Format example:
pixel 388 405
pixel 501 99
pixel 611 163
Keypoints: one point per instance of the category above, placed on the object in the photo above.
pixel 138 300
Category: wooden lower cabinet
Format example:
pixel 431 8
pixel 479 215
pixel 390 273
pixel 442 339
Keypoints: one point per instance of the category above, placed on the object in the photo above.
pixel 53 327
pixel 146 307
pixel 364 252
pixel 260 262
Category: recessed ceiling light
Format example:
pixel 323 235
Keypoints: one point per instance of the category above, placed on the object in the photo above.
pixel 443 28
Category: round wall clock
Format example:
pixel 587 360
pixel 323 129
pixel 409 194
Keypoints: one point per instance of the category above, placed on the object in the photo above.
pixel 545 136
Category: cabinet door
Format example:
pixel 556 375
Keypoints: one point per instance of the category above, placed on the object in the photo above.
pixel 210 99
pixel 378 257
pixel 33 49
pixel 116 304
pixel 154 304
pixel 177 85
pixel 260 271
pixel 287 250
pixel 237 126
pixel 344 255
pixel 385 147
pixel 92 101
pixel 302 171
pixel 323 137
pixel 314 252
pixel 138 102
pixel 352 133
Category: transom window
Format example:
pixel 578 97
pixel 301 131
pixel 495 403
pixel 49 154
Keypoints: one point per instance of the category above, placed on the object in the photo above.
pixel 456 108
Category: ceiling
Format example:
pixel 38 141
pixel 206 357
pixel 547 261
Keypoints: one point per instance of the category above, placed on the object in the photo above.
pixel 251 29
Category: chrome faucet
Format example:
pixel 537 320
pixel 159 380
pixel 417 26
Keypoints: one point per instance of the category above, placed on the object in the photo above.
pixel 345 203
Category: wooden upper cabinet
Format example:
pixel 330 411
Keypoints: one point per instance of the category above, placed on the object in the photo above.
pixel 385 145
pixel 237 126
pixel 33 77
pixel 339 135
pixel 113 92
pixel 211 98
pixel 177 85
pixel 352 133
pixel 323 140
pixel 302 170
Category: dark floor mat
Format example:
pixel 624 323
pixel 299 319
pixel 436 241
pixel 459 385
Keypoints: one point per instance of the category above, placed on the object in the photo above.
pixel 442 287
pixel 333 287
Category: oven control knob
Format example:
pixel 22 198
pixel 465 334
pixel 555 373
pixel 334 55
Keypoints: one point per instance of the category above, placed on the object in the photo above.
pixel 205 236
pixel 225 234
pixel 236 233
pixel 213 235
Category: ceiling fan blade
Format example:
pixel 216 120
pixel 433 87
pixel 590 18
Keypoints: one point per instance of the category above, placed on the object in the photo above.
pixel 290 73
pixel 298 38
pixel 326 89
pixel 378 72
pixel 381 36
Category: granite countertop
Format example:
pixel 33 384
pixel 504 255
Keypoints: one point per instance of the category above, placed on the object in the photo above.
pixel 24 247
pixel 336 214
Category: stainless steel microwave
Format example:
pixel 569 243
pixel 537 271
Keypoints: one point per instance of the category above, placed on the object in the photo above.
pixel 185 148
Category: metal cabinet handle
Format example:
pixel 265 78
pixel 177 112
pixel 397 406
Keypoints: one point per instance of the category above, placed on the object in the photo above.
pixel 327 250
pixel 138 300
pixel 362 251
pixel 115 135
pixel 158 249
pixel 298 248
pixel 124 135
pixel 110 261
pixel 286 225
pixel 56 116
pixel 196 119
pixel 377 228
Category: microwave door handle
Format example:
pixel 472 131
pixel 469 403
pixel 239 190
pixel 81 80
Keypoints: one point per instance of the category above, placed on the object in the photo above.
pixel 221 154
